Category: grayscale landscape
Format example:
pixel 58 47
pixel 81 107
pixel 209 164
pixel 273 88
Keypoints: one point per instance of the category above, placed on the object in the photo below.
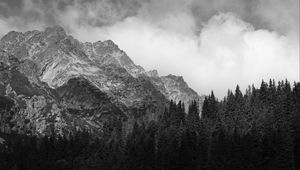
pixel 148 84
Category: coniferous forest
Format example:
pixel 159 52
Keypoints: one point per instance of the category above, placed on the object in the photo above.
pixel 255 130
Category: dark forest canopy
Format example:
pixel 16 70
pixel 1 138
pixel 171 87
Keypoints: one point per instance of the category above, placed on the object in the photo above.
pixel 256 130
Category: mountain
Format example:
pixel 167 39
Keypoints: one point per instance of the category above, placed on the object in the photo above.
pixel 174 88
pixel 51 82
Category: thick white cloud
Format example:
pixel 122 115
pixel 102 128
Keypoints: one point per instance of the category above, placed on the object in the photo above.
pixel 227 52
pixel 238 54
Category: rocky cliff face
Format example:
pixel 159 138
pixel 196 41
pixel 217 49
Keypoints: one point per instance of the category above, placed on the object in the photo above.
pixel 51 82
pixel 175 88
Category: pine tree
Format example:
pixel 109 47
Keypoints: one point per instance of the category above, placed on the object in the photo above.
pixel 205 108
pixel 210 107
pixel 193 117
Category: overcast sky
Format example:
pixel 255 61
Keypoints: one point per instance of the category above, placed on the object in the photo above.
pixel 213 44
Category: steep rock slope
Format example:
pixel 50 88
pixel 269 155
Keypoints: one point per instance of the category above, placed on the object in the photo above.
pixel 51 82
pixel 59 57
pixel 34 108
pixel 175 88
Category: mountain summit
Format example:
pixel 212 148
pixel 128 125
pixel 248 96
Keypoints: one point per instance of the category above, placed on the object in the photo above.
pixel 51 82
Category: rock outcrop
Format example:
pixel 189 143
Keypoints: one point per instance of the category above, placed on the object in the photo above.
pixel 175 88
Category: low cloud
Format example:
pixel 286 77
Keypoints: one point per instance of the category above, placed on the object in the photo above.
pixel 227 52
pixel 214 44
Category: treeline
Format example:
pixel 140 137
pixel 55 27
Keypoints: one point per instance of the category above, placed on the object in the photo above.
pixel 258 130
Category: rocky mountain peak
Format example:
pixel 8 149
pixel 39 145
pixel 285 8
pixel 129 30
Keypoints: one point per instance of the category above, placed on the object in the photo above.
pixel 52 35
pixel 110 43
pixel 107 52
pixel 177 82
pixel 55 31
pixel 152 73
pixel 12 37
pixel 52 77
pixel 176 78
pixel 106 47
pixel 178 90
